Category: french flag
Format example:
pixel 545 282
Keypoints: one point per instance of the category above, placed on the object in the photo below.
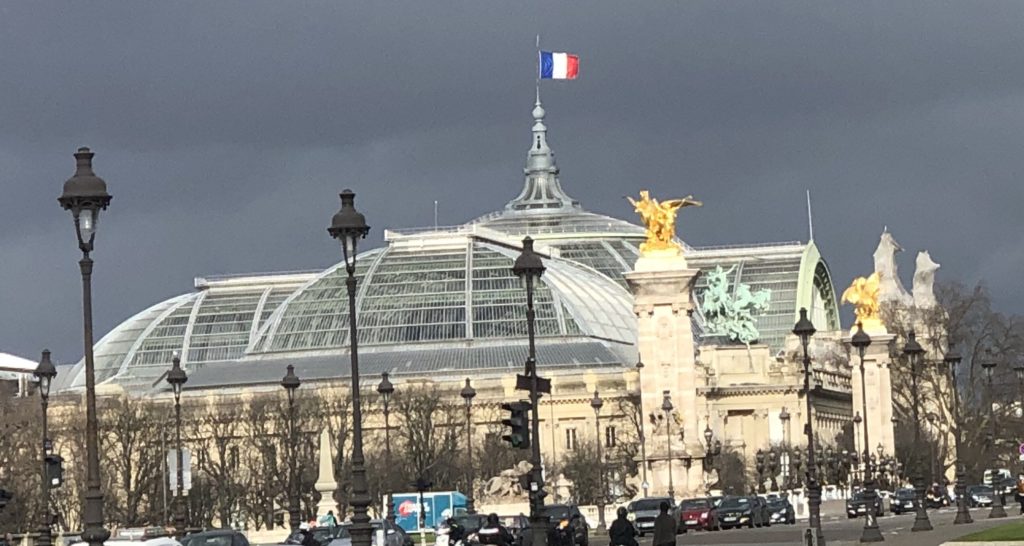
pixel 558 66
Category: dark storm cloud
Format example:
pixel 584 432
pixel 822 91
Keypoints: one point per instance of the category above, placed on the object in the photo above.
pixel 225 130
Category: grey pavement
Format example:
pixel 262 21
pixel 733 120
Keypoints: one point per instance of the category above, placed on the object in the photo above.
pixel 840 531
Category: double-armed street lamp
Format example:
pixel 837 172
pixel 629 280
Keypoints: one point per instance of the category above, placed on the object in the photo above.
pixel 85 195
pixel 385 389
pixel 963 514
pixel 468 393
pixel 989 366
pixel 804 329
pixel 861 341
pixel 597 404
pixel 348 226
pixel 529 267
pixel 290 383
pixel 45 373
pixel 666 407
pixel 177 378
pixel 914 353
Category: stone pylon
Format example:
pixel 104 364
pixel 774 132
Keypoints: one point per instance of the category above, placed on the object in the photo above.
pixel 662 287
pixel 326 485
pixel 877 378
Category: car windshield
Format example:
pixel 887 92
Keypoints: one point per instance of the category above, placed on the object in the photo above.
pixel 777 504
pixel 206 540
pixel 556 512
pixel 471 521
pixel 981 490
pixel 648 504
pixel 906 494
pixel 695 504
pixel 735 502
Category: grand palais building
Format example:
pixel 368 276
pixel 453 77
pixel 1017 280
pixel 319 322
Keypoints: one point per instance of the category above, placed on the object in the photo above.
pixel 438 305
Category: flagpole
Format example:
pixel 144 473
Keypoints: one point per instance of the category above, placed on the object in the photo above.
pixel 537 73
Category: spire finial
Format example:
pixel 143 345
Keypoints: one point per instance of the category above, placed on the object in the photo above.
pixel 542 190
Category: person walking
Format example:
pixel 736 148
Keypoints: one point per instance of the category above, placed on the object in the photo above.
pixel 664 527
pixel 622 532
pixel 1020 492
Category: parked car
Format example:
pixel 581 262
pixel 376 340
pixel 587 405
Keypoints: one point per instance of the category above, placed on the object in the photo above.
pixel 979 495
pixel 216 537
pixel 740 511
pixel 903 501
pixel 323 535
pixel 570 515
pixel 385 533
pixel 781 511
pixel 857 505
pixel 643 511
pixel 698 514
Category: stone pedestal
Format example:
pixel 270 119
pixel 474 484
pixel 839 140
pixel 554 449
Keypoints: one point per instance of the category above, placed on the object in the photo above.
pixel 879 394
pixel 662 286
pixel 326 485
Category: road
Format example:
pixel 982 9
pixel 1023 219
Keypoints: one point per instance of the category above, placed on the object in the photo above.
pixel 840 531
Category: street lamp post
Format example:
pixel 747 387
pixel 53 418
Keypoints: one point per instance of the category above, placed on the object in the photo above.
pixel 45 373
pixel 861 341
pixel 290 382
pixel 177 378
pixel 529 267
pixel 759 466
pixel 597 404
pixel 643 436
pixel 933 423
pixel 857 448
pixel 914 352
pixel 804 329
pixel 348 226
pixel 385 389
pixel 666 406
pixel 713 449
pixel 468 393
pixel 787 474
pixel 989 365
pixel 773 469
pixel 963 514
pixel 85 195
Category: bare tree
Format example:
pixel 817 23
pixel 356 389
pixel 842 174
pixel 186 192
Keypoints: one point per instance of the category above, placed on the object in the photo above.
pixel 132 458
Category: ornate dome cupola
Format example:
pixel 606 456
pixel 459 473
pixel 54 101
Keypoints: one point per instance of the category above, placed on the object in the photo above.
pixel 541 190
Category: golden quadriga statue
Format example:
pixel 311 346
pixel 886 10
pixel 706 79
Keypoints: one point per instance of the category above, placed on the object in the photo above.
pixel 660 220
pixel 863 295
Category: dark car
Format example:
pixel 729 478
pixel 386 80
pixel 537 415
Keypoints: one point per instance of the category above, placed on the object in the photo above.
pixel 569 515
pixel 698 514
pixel 780 510
pixel 903 501
pixel 322 535
pixel 857 505
pixel 979 495
pixel 217 537
pixel 740 511
pixel 643 511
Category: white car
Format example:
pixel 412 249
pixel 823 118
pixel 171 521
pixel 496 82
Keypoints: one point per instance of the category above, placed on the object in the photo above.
pixel 158 541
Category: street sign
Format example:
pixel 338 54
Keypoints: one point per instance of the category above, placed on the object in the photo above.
pixel 524 382
pixel 172 470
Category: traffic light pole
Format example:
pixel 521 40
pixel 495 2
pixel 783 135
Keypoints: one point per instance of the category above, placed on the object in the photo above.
pixel 538 522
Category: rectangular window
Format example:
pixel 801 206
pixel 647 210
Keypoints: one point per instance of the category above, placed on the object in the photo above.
pixel 609 437
pixel 570 439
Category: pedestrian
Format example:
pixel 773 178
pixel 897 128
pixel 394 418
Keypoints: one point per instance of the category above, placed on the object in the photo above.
pixel 328 520
pixel 494 533
pixel 664 527
pixel 308 539
pixel 1020 492
pixel 622 532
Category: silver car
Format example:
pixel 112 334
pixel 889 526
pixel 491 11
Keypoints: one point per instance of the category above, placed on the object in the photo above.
pixel 643 511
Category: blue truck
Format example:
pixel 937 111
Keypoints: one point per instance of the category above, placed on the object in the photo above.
pixel 436 507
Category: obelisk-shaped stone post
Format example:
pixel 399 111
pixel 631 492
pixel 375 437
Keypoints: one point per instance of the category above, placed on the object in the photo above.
pixel 326 485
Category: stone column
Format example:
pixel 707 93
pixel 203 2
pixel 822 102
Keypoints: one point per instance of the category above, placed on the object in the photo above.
pixel 662 287
pixel 879 393
pixel 326 485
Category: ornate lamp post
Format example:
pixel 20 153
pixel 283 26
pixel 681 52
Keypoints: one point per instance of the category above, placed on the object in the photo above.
pixel 45 373
pixel 713 449
pixel 963 514
pixel 529 267
pixel 787 474
pixel 804 330
pixel 913 351
pixel 989 365
pixel 290 383
pixel 933 421
pixel 643 436
pixel 861 341
pixel 348 226
pixel 773 469
pixel 85 195
pixel 177 378
pixel 759 466
pixel 666 407
pixel 385 389
pixel 468 393
pixel 597 404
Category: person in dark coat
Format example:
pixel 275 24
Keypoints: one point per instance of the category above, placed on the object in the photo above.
pixel 494 533
pixel 622 532
pixel 664 528
pixel 308 539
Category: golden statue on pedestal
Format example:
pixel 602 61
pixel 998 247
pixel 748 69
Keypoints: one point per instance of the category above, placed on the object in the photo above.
pixel 863 294
pixel 660 220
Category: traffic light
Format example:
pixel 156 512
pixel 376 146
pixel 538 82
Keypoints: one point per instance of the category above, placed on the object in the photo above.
pixel 519 421
pixel 55 470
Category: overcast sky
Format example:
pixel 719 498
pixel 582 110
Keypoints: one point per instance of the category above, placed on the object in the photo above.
pixel 226 129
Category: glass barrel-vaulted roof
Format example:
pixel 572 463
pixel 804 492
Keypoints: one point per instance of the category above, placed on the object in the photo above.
pixel 459 289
